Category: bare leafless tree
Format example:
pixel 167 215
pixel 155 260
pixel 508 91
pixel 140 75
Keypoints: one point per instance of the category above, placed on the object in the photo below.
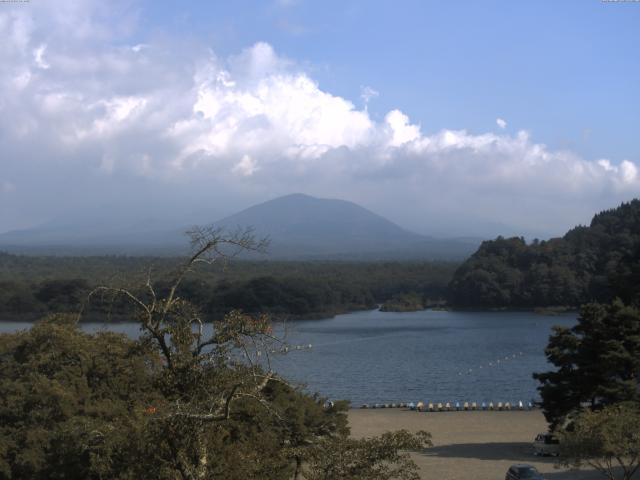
pixel 207 366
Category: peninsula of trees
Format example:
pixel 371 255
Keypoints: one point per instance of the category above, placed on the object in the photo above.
pixel 591 263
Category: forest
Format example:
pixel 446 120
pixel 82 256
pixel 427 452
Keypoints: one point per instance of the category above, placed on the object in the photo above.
pixel 33 286
pixel 594 263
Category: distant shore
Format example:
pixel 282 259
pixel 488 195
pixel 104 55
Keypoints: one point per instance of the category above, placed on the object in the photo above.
pixel 481 445
pixel 93 318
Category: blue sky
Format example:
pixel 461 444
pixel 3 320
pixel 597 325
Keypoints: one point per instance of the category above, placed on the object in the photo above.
pixel 568 71
pixel 482 118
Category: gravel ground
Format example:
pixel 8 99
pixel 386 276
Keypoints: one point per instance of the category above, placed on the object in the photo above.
pixel 469 445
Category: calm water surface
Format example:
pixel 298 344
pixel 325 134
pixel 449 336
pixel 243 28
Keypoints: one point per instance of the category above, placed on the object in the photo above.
pixel 382 357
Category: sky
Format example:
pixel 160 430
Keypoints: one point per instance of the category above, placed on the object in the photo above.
pixel 450 118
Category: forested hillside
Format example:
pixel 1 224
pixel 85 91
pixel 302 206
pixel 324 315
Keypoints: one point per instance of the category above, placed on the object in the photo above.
pixel 32 286
pixel 589 263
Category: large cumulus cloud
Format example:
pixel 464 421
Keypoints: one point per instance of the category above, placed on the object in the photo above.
pixel 88 109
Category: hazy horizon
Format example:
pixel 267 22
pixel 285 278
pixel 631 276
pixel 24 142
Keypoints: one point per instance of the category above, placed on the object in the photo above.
pixel 110 216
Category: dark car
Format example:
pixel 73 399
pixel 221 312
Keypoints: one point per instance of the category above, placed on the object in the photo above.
pixel 522 471
pixel 546 444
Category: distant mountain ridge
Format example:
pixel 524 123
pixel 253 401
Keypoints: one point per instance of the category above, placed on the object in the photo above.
pixel 299 227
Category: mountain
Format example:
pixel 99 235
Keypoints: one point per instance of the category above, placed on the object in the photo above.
pixel 598 262
pixel 299 227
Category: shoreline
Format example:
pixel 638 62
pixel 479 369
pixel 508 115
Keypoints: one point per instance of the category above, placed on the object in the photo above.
pixel 543 311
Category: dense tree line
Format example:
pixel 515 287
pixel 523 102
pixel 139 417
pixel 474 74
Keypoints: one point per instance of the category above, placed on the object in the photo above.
pixel 590 263
pixel 34 286
pixel 597 361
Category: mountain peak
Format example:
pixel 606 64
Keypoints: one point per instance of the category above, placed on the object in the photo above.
pixel 296 196
pixel 305 216
pixel 304 199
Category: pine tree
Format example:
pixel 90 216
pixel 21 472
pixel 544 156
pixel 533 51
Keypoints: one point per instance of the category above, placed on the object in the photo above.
pixel 598 361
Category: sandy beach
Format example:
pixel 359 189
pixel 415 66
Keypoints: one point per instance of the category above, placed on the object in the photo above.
pixel 469 445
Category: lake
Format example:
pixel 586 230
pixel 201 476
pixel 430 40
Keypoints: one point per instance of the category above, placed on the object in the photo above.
pixel 433 356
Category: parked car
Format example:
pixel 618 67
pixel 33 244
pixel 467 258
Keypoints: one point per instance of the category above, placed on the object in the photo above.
pixel 523 471
pixel 546 444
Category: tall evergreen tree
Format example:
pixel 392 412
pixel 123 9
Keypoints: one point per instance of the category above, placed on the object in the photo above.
pixel 597 360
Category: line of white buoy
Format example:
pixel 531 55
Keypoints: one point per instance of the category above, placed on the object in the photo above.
pixel 455 407
pixel 290 348
pixel 284 349
pixel 494 363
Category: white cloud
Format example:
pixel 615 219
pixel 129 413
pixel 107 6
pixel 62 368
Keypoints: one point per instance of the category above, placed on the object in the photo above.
pixel 245 167
pixel 277 111
pixel 79 100
pixel 367 94
pixel 38 57
pixel 629 172
pixel 401 129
